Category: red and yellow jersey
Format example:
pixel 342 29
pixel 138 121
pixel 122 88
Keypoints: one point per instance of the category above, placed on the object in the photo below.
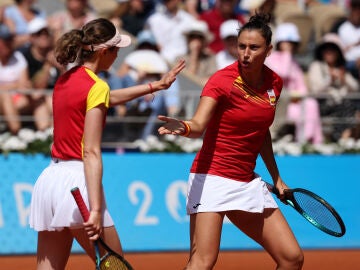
pixel 237 130
pixel 75 93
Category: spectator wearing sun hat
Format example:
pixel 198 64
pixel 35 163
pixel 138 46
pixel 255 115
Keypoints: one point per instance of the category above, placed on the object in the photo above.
pixel 43 72
pixel 13 76
pixel 144 64
pixel 200 60
pixel 295 106
pixel 43 67
pixel 327 74
pixel 17 16
pixel 229 34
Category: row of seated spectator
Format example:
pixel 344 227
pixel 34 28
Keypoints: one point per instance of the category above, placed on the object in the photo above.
pixel 202 32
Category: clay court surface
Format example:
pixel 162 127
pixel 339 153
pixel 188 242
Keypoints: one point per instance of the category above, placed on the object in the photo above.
pixel 228 260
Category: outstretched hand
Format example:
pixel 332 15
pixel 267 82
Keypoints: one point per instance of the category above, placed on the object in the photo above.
pixel 172 126
pixel 168 78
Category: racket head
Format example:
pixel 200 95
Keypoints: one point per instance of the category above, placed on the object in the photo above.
pixel 316 210
pixel 111 260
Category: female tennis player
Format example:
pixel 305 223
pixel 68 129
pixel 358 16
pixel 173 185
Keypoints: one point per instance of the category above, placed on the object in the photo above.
pixel 80 103
pixel 236 109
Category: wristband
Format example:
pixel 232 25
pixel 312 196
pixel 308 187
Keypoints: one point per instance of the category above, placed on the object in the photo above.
pixel 187 129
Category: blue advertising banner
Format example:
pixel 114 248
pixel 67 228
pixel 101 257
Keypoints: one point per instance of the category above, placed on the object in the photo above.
pixel 146 197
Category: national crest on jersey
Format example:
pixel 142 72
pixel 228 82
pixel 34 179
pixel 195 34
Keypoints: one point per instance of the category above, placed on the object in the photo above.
pixel 249 93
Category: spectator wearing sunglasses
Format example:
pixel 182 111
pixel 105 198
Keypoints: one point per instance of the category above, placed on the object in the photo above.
pixel 13 76
pixel 43 72
pixel 201 61
pixel 17 16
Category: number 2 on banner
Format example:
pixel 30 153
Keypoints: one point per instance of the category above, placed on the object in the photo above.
pixel 141 194
pixel 142 218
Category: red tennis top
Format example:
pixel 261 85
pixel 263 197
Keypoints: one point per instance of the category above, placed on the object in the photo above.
pixel 75 92
pixel 237 130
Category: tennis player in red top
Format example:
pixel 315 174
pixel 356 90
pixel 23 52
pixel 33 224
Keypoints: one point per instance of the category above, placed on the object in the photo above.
pixel 236 109
pixel 80 103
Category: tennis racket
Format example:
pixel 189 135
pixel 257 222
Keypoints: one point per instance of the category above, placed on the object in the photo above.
pixel 314 209
pixel 111 260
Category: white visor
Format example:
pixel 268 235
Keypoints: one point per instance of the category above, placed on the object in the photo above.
pixel 117 40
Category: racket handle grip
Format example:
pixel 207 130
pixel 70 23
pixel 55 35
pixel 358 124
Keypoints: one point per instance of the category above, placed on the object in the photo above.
pixel 272 188
pixel 80 203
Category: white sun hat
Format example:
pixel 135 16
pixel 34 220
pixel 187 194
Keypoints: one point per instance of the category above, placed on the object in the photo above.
pixel 251 4
pixel 229 28
pixel 200 28
pixel 37 24
pixel 287 32
pixel 148 61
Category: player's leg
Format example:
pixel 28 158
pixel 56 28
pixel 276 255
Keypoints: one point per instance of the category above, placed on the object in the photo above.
pixel 53 249
pixel 109 235
pixel 271 230
pixel 205 235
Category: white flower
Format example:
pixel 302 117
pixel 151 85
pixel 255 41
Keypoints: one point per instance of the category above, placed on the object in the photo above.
pixel 294 149
pixel 4 137
pixel 326 149
pixel 27 135
pixel 154 143
pixel 142 145
pixel 348 143
pixel 42 135
pixel 170 138
pixel 14 143
pixel 357 145
pixel 190 145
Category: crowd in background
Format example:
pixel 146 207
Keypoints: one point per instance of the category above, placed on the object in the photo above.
pixel 320 72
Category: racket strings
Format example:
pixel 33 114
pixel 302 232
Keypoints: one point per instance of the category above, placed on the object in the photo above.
pixel 112 262
pixel 317 212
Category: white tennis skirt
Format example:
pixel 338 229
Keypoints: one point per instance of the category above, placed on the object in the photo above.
pixel 211 193
pixel 52 204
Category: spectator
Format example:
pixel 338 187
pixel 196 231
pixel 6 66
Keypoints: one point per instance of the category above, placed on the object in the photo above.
pixel 349 34
pixel 200 61
pixel 131 15
pixel 196 7
pixel 299 109
pixel 142 65
pixel 167 25
pixel 43 71
pixel 76 14
pixel 13 76
pixel 328 75
pixel 260 6
pixel 222 11
pixel 228 34
pixel 2 11
pixel 17 17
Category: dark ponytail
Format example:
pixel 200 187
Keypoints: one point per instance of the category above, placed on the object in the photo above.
pixel 260 22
